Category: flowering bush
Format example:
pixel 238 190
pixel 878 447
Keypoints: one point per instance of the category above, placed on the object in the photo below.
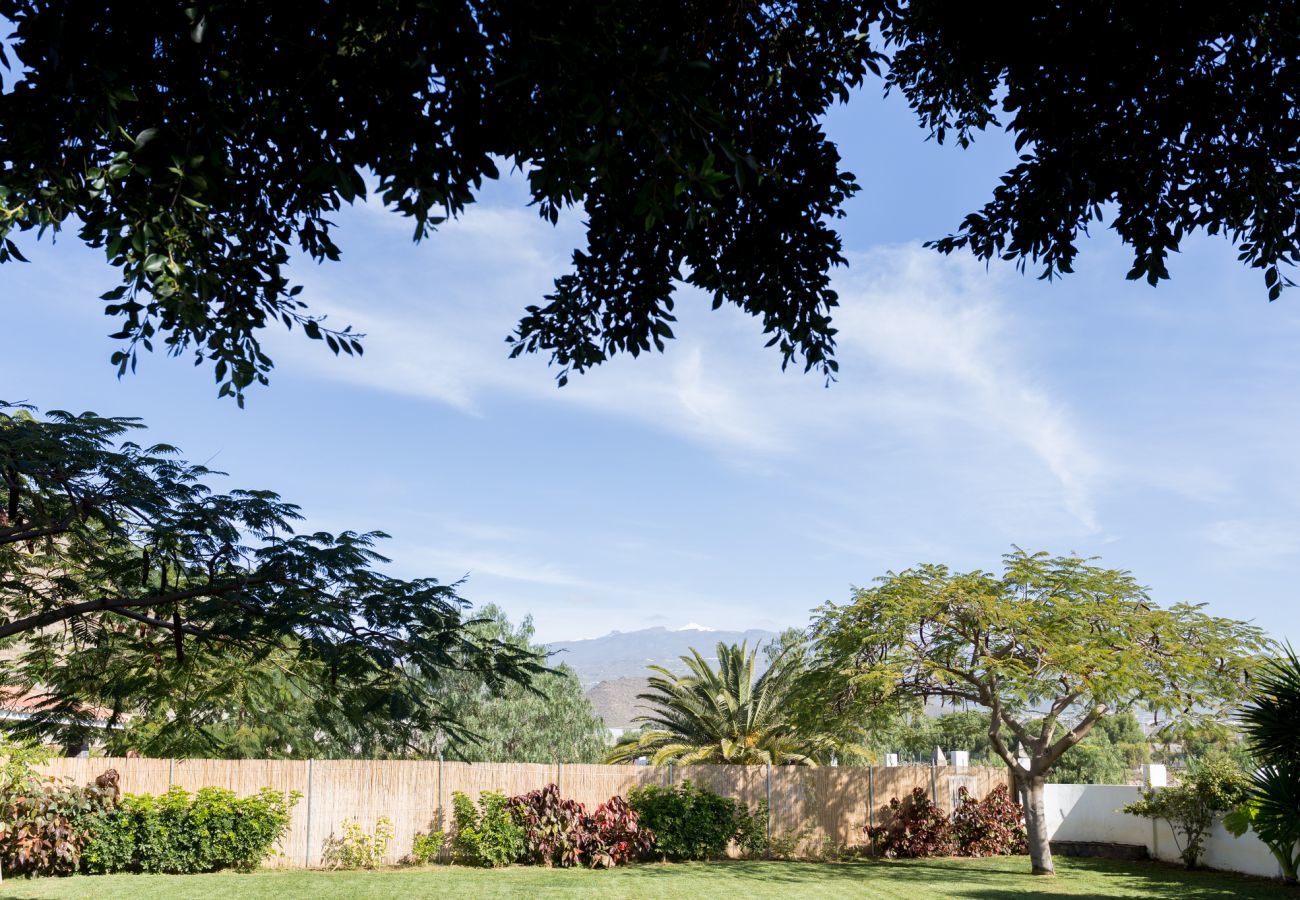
pixel 994 826
pixel 912 828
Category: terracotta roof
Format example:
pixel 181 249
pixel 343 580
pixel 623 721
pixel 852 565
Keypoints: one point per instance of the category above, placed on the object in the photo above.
pixel 16 700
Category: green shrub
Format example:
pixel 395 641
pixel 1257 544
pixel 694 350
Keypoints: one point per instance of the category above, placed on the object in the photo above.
pixel 487 835
pixel 690 822
pixel 751 830
pixel 1210 787
pixel 427 848
pixel 357 848
pixel 175 832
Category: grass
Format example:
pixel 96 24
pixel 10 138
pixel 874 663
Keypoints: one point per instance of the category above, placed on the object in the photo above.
pixel 966 879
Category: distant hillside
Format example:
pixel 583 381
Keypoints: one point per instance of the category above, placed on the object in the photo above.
pixel 625 654
pixel 615 701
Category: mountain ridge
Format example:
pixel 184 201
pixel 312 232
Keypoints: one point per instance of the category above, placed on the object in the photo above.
pixel 625 654
pixel 612 668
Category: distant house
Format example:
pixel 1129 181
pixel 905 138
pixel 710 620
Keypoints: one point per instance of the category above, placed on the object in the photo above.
pixel 17 705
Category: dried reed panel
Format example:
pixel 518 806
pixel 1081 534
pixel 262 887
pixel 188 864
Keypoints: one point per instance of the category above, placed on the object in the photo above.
pixel 404 791
pixel 748 784
pixel 136 776
pixel 594 784
pixel 899 781
pixel 841 798
pixel 794 807
pixel 991 777
pixel 820 806
pixel 473 779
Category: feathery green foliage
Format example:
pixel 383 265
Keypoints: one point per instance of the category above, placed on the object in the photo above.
pixel 548 720
pixel 131 584
pixel 1050 648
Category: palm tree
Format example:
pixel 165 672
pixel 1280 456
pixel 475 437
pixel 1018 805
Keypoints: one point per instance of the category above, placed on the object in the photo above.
pixel 1271 722
pixel 723 716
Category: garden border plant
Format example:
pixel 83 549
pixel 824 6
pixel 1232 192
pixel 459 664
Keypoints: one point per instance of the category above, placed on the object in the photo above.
pixel 44 821
pixel 50 826
pixel 915 827
pixel 357 848
pixel 177 832
pixel 1210 788
pixel 693 823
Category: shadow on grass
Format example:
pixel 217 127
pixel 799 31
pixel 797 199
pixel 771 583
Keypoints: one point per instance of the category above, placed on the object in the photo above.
pixel 992 879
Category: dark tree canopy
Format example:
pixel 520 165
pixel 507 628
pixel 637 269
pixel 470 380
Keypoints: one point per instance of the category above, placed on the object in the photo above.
pixel 200 144
pixel 127 582
pixel 1163 119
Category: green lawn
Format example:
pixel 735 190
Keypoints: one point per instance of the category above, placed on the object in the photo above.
pixel 979 879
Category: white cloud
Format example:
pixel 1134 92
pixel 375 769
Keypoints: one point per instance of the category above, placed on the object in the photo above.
pixel 928 350
pixel 1256 541
pixel 935 326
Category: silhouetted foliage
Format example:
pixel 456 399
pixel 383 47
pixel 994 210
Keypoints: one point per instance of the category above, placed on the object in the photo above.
pixel 199 145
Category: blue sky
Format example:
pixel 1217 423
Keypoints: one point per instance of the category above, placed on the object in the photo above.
pixel 977 408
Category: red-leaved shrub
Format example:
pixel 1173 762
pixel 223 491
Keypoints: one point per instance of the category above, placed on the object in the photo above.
pixel 916 827
pixel 559 832
pixel 994 826
pixel 616 836
pixel 912 828
pixel 554 828
pixel 44 820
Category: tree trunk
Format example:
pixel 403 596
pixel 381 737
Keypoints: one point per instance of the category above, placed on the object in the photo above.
pixel 1040 850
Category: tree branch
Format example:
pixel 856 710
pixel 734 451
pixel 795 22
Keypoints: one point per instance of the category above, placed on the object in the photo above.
pixel 106 604
pixel 1075 734
pixel 17 534
pixel 158 623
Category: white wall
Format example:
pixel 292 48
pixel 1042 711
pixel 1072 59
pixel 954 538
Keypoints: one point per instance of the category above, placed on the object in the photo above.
pixel 1091 812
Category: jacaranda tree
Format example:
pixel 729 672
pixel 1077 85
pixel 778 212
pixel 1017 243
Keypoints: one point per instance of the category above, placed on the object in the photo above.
pixel 121 568
pixel 1050 647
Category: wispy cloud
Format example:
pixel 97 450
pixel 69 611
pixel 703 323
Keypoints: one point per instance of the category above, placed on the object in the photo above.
pixel 928 349
pixel 1255 540
pixel 937 334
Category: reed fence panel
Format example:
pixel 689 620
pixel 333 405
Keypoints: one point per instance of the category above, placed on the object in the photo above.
pixel 811 808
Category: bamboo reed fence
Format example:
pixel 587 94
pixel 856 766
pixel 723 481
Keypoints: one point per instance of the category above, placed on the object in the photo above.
pixel 811 808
